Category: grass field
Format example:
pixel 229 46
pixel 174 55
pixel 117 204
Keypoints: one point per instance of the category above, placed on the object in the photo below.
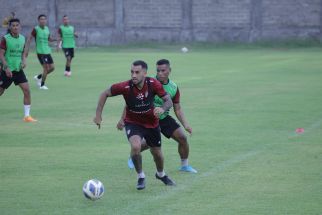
pixel 244 105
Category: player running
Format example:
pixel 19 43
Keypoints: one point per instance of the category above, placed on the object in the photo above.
pixel 42 37
pixel 13 57
pixel 66 40
pixel 169 127
pixel 141 119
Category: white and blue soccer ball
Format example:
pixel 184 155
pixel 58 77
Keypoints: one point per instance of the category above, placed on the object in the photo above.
pixel 93 189
pixel 184 49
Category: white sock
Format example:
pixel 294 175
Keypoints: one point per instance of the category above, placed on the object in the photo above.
pixel 184 162
pixel 27 110
pixel 161 174
pixel 141 175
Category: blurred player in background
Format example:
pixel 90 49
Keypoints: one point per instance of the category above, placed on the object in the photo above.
pixel 66 41
pixel 42 37
pixel 141 120
pixel 13 56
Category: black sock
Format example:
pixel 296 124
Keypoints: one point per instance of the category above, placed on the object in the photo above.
pixel 42 83
pixel 67 68
pixel 39 76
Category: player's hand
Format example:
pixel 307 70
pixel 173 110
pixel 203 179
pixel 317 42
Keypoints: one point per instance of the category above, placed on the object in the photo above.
pixel 8 73
pixel 98 120
pixel 120 125
pixel 188 129
pixel 158 111
pixel 23 64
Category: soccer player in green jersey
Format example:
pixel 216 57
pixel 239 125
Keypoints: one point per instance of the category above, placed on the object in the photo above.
pixel 13 57
pixel 169 127
pixel 42 37
pixel 66 40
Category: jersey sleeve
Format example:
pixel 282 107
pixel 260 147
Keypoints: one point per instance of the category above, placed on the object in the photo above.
pixel 176 98
pixel 3 44
pixel 33 33
pixel 118 89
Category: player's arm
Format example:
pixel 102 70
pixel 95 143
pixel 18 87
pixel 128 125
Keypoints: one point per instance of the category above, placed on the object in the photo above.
pixel 3 59
pixel 181 117
pixel 167 104
pixel 76 34
pixel 29 39
pixel 24 57
pixel 51 39
pixel 59 39
pixel 100 106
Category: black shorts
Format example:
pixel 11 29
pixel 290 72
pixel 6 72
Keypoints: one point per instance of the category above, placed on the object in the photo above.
pixel 168 125
pixel 45 59
pixel 151 135
pixel 69 52
pixel 17 78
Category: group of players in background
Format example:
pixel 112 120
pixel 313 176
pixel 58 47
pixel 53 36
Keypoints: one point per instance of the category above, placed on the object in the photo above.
pixel 14 50
pixel 148 100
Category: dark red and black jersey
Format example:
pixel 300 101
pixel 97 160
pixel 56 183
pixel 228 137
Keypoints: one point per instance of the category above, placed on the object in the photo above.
pixel 140 102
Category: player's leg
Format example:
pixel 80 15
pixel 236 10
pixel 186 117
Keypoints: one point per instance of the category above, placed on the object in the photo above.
pixel 134 134
pixel 153 140
pixel 69 54
pixel 183 148
pixel 21 80
pixel 144 147
pixel 2 91
pixel 5 82
pixel 171 129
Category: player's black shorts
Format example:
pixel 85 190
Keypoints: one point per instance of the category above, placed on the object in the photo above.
pixel 45 59
pixel 168 125
pixel 151 135
pixel 17 78
pixel 69 52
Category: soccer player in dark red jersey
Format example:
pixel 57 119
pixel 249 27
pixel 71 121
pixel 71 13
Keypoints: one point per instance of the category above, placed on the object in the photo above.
pixel 141 120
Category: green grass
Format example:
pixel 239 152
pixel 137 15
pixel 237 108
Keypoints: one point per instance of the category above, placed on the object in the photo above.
pixel 243 103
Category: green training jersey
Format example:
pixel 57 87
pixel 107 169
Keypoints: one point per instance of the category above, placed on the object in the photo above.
pixel 172 89
pixel 42 37
pixel 14 50
pixel 67 35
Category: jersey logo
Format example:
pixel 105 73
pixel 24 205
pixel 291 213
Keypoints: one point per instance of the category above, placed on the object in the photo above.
pixel 140 96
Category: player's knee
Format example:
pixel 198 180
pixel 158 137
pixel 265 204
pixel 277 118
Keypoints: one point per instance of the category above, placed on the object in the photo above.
pixel 182 139
pixel 26 91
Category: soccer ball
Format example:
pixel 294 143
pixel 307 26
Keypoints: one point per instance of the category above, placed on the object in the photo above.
pixel 184 50
pixel 93 189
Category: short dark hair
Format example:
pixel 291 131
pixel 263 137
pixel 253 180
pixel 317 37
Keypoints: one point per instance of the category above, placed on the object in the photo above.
pixel 42 15
pixel 13 20
pixel 163 61
pixel 140 63
pixel 65 16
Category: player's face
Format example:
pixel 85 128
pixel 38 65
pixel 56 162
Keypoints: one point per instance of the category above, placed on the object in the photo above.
pixel 137 74
pixel 163 72
pixel 15 27
pixel 42 21
pixel 65 20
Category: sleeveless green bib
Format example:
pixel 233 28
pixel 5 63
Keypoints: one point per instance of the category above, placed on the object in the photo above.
pixel 13 54
pixel 67 34
pixel 42 35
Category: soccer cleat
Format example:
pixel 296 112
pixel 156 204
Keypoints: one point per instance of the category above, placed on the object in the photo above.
pixel 166 180
pixel 188 169
pixel 141 184
pixel 38 81
pixel 43 88
pixel 29 119
pixel 67 73
pixel 130 163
